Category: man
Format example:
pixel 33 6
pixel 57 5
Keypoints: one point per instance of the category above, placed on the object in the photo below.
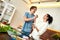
pixel 29 18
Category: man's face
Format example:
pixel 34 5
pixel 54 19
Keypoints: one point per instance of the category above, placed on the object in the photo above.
pixel 33 10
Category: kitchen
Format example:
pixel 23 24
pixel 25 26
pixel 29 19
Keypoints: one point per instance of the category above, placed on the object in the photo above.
pixel 51 7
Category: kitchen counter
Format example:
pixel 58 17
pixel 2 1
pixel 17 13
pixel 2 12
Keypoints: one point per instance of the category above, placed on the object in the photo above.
pixel 48 34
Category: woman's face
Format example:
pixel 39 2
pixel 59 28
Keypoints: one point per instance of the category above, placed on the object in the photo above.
pixel 45 17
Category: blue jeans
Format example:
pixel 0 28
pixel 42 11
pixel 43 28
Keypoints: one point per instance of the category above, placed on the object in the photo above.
pixel 24 34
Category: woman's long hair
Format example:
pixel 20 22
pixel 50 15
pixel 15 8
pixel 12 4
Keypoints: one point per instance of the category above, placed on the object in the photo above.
pixel 50 19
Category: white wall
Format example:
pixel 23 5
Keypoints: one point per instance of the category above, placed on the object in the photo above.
pixel 54 12
pixel 21 7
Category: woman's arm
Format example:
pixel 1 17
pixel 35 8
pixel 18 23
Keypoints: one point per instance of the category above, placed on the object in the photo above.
pixel 34 24
pixel 35 27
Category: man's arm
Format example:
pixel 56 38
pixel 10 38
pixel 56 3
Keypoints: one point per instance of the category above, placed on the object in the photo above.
pixel 28 19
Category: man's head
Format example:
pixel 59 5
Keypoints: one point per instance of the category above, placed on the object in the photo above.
pixel 33 9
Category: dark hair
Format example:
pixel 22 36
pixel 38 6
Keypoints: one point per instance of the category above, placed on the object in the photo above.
pixel 50 19
pixel 32 7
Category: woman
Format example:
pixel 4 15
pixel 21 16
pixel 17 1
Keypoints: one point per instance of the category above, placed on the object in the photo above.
pixel 47 19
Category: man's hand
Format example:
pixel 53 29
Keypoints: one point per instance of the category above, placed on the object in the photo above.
pixel 36 16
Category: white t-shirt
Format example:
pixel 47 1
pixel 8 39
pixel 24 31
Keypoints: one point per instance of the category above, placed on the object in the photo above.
pixel 42 26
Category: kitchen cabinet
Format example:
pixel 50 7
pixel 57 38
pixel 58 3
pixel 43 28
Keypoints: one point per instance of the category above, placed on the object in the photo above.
pixel 6 11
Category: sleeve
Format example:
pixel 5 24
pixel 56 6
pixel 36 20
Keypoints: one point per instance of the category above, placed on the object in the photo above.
pixel 26 14
pixel 43 29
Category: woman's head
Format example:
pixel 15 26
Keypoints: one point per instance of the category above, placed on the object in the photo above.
pixel 48 18
pixel 33 9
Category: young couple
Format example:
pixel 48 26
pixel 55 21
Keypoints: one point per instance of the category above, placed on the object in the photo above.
pixel 31 28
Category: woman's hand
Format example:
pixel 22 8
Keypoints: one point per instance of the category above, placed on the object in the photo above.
pixel 37 30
